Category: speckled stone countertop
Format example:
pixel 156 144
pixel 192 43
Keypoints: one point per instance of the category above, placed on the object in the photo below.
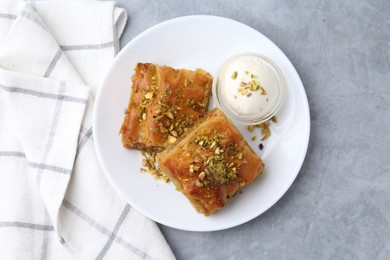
pixel 339 205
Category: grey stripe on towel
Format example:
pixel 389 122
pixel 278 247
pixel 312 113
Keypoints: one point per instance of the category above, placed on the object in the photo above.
pixel 104 230
pixel 8 16
pixel 43 94
pixel 114 233
pixel 26 225
pixel 41 166
pixel 87 46
pixel 53 63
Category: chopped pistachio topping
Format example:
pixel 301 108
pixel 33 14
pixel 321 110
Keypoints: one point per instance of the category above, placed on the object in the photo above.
pixel 234 75
pixel 169 114
pixel 265 130
pixel 219 159
pixel 145 102
pixel 201 175
pixel 194 104
pixel 194 168
pixel 254 85
pixel 149 161
pixel 218 171
pixel 170 120
pixel 251 128
pixel 199 184
pixel 250 85
pixel 145 162
pixel 174 133
pixel 208 140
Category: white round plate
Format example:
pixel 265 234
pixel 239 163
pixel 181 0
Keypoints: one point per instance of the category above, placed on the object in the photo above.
pixel 204 42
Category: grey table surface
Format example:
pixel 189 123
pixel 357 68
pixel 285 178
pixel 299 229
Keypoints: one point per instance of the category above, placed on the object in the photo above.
pixel 339 205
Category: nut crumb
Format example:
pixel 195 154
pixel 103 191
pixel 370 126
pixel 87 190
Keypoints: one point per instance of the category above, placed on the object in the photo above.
pixel 251 128
pixel 261 146
pixel 171 139
pixel 150 163
pixel 149 95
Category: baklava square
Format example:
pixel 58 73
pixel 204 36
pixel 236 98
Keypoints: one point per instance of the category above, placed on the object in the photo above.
pixel 211 162
pixel 164 103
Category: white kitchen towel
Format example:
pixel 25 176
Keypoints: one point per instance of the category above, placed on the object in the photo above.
pixel 55 202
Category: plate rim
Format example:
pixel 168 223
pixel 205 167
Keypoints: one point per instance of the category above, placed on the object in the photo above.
pixel 105 82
